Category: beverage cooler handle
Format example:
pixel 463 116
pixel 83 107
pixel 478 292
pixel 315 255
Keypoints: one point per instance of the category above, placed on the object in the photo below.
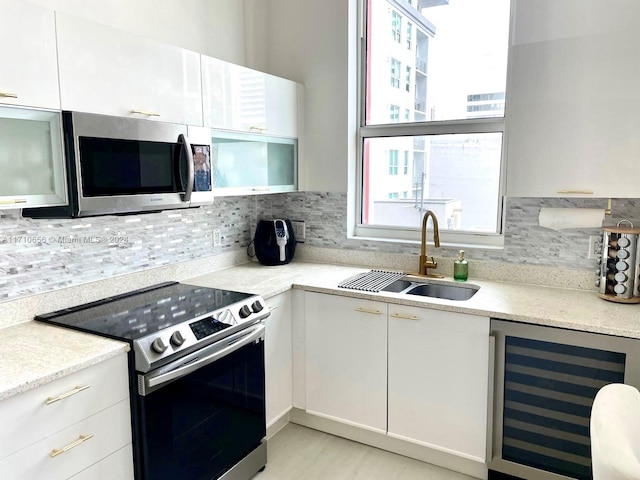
pixel 186 148
pixel 491 394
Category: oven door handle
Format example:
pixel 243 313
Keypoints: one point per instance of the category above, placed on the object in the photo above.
pixel 155 381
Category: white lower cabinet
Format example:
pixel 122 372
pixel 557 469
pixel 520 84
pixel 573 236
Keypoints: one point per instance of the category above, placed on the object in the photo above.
pixel 346 360
pixel 438 379
pixel 118 465
pixel 72 424
pixel 277 357
pixel 415 374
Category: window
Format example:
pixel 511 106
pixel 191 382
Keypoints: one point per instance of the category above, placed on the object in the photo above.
pixel 393 162
pixel 407 79
pixel 395 73
pixel 396 26
pixel 393 196
pixel 451 133
pixel 394 114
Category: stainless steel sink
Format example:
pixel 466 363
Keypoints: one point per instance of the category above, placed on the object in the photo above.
pixel 432 289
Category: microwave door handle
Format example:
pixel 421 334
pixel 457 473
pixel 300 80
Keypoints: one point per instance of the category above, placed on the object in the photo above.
pixel 186 148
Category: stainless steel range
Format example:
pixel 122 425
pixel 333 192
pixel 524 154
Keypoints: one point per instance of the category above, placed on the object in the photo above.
pixel 196 377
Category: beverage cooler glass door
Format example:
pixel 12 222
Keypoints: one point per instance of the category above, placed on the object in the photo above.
pixel 31 158
pixel 545 382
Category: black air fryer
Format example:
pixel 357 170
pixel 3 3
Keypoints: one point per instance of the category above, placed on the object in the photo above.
pixel 275 242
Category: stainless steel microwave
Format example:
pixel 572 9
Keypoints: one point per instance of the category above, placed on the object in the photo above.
pixel 122 165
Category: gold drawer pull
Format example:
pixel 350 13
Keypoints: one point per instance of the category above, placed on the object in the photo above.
pixel 51 400
pixel 261 189
pixel 8 95
pixel 259 129
pixel 12 201
pixel 148 114
pixel 367 310
pixel 577 192
pixel 81 439
pixel 271 309
pixel 405 317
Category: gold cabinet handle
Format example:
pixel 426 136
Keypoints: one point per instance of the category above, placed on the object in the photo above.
pixel 405 317
pixel 8 95
pixel 367 310
pixel 51 400
pixel 576 192
pixel 12 201
pixel 81 439
pixel 148 114
pixel 261 189
pixel 258 129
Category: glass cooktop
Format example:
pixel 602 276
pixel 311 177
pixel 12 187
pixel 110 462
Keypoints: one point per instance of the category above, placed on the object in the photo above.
pixel 141 312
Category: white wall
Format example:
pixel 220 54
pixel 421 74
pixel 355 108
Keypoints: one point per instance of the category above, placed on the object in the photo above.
pixel 313 42
pixel 213 27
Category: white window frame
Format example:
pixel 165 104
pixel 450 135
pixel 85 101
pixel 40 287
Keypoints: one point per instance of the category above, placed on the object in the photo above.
pixel 488 240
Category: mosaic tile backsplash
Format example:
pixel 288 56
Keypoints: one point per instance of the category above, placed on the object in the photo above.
pixel 44 255
pixel 41 255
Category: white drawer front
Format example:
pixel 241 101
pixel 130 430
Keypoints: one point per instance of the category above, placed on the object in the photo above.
pixel 26 418
pixel 118 465
pixel 110 430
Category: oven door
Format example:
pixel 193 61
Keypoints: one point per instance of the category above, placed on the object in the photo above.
pixel 201 415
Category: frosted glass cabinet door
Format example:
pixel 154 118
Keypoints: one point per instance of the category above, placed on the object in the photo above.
pixel 31 158
pixel 245 164
pixel 28 70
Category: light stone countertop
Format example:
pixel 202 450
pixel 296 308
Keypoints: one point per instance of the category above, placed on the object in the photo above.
pixel 565 308
pixel 34 354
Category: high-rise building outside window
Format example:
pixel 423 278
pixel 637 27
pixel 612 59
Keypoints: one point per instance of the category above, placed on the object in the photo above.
pixel 454 68
pixel 396 26
pixel 395 73
pixel 393 162
pixel 394 113
pixel 405 165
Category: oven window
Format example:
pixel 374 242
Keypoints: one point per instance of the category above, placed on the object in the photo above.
pixel 125 167
pixel 200 425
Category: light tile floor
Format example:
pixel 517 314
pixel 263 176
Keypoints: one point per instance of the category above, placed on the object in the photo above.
pixel 300 453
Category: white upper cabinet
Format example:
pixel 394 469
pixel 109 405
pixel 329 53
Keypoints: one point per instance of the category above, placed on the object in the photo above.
pixel 28 70
pixel 112 72
pixel 240 99
pixel 572 109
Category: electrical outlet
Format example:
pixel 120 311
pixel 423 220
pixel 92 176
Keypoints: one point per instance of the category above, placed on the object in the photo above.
pixel 594 246
pixel 298 230
pixel 217 238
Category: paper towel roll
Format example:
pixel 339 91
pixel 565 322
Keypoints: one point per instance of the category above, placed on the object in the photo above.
pixel 563 218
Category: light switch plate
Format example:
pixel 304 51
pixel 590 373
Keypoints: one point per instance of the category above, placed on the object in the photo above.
pixel 217 237
pixel 298 230
pixel 593 248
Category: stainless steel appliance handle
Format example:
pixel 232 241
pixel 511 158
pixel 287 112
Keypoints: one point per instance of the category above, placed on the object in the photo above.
pixel 152 381
pixel 491 395
pixel 186 147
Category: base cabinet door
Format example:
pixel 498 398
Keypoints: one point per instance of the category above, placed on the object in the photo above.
pixel 346 360
pixel 277 357
pixel 438 379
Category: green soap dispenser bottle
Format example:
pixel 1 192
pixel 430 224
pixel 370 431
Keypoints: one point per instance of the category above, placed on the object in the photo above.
pixel 460 268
